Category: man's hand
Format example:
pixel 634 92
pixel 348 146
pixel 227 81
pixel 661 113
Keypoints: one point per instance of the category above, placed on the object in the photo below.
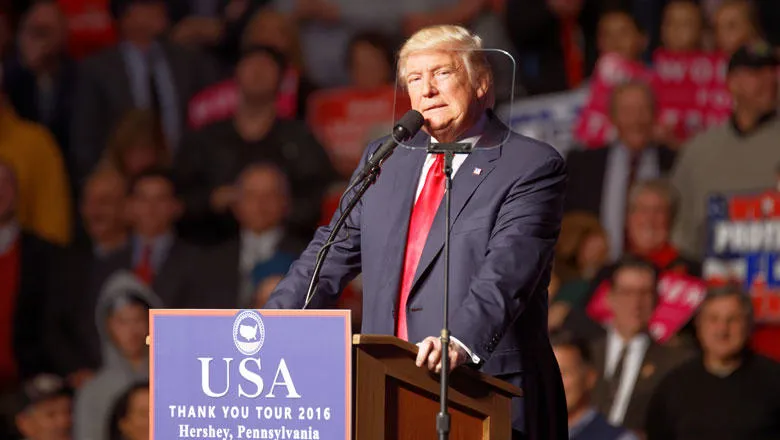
pixel 429 354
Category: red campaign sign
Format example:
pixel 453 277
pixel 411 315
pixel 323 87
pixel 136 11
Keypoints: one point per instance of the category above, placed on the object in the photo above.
pixel 680 296
pixel 691 90
pixel 345 120
pixel 593 128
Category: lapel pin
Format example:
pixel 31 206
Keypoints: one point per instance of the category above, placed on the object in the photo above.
pixel 477 171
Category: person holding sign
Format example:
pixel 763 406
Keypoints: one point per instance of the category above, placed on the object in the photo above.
pixel 507 207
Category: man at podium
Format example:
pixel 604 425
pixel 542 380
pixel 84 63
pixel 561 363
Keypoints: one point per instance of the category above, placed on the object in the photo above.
pixel 507 199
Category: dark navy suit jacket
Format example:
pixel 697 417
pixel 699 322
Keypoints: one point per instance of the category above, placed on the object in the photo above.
pixel 505 222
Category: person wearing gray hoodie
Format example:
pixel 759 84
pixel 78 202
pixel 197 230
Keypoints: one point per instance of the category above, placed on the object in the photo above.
pixel 122 320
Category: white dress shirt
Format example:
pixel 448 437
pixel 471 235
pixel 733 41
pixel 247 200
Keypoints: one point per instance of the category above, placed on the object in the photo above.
pixel 457 161
pixel 637 347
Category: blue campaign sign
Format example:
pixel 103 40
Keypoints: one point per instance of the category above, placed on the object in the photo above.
pixel 250 374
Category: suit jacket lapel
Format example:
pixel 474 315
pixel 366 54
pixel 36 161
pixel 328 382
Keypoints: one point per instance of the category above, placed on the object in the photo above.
pixel 486 152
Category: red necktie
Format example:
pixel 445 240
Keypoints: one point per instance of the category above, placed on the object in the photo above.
pixel 144 269
pixel 419 225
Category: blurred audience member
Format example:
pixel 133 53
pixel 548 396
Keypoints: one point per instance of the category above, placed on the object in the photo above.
pixel 131 413
pixel 38 79
pixel 267 27
pixel 726 393
pixel 736 25
pixel 263 247
pixel 45 414
pixel 556 40
pixel 579 379
pixel 621 34
pixel 567 316
pixel 370 60
pixel 140 72
pixel 682 28
pixel 652 205
pixel 25 263
pixel 739 155
pixel 137 145
pixel 212 157
pixel 326 27
pixel 43 204
pixel 70 336
pixel 582 250
pixel 599 179
pixel 156 254
pixel 629 362
pixel 123 323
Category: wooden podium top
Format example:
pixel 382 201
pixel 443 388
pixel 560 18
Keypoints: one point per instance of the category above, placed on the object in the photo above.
pixel 366 342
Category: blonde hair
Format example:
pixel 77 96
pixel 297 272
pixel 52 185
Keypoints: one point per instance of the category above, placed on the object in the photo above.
pixel 451 38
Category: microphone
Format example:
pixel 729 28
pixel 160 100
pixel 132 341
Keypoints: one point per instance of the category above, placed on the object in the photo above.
pixel 408 126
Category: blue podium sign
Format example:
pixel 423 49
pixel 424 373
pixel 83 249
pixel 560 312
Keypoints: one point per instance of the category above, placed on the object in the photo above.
pixel 250 374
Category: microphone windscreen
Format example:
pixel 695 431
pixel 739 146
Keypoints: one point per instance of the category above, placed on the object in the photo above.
pixel 411 123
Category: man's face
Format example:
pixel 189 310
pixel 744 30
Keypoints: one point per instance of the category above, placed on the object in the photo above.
pixel 648 222
pixel 7 193
pixel 632 300
pixel 154 206
pixel 368 67
pixel 682 27
pixel 578 378
pixel 128 326
pixel 440 89
pixel 258 77
pixel 262 202
pixel 103 207
pixel 41 35
pixel 633 117
pixel 618 34
pixel 135 425
pixel 146 20
pixel 754 89
pixel 733 28
pixel 47 420
pixel 722 327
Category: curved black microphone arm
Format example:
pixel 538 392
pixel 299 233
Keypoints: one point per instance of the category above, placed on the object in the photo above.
pixel 368 180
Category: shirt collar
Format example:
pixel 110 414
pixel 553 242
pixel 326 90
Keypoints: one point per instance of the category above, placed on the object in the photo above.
pixel 8 235
pixel 270 237
pixel 158 243
pixel 615 340
pixel 763 120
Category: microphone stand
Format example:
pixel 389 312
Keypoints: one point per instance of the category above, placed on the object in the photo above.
pixel 449 151
pixel 369 180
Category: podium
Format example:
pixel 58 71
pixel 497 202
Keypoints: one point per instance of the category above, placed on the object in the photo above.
pixel 396 400
pixel 301 374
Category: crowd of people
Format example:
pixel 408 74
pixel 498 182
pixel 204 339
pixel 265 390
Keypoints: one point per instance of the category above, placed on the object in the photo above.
pixel 161 154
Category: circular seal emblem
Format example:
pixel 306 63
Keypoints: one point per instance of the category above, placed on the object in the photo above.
pixel 248 332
